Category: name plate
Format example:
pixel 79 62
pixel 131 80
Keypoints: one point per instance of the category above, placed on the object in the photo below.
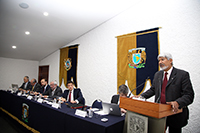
pixel 50 103
pixel 40 100
pixel 29 97
pixel 80 113
pixel 55 105
pixel 23 94
pixel 19 93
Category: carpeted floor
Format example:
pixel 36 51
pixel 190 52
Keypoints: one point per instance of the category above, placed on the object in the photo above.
pixel 7 127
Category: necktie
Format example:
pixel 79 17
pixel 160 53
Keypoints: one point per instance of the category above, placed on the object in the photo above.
pixel 32 88
pixel 69 96
pixel 162 98
pixel 44 89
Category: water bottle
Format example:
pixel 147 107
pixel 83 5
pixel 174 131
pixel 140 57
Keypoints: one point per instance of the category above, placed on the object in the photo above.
pixel 90 113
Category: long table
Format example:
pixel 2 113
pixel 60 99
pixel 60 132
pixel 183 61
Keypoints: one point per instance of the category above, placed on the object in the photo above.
pixel 44 118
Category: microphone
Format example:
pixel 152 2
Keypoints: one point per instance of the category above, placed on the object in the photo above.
pixel 137 87
pixel 157 100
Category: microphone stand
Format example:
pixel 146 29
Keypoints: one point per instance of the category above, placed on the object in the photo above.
pixel 137 87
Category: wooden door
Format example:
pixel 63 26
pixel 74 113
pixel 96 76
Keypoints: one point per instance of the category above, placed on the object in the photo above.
pixel 43 73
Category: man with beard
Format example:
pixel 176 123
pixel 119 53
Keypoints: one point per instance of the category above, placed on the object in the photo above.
pixel 45 85
pixel 172 86
pixel 54 92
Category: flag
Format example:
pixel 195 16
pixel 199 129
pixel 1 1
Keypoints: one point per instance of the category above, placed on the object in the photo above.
pixel 137 59
pixel 68 64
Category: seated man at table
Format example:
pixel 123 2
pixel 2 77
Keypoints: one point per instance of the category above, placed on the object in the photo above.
pixel 36 87
pixel 54 92
pixel 123 91
pixel 45 85
pixel 72 95
pixel 26 86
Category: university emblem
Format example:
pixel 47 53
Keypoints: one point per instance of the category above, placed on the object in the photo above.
pixel 136 58
pixel 137 124
pixel 67 64
pixel 25 112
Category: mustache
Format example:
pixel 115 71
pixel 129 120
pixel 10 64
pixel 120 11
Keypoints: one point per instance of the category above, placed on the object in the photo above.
pixel 162 65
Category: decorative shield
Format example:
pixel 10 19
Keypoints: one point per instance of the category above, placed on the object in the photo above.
pixel 67 64
pixel 136 58
pixel 25 112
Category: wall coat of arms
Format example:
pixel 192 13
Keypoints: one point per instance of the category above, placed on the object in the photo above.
pixel 136 58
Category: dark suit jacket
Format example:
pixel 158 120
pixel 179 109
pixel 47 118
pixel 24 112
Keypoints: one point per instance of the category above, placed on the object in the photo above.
pixel 115 99
pixel 47 88
pixel 77 95
pixel 28 87
pixel 57 93
pixel 178 88
pixel 37 88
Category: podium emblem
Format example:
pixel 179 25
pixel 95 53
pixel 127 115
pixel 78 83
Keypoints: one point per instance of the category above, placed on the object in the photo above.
pixel 137 123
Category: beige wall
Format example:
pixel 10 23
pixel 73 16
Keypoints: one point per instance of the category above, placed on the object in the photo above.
pixel 12 71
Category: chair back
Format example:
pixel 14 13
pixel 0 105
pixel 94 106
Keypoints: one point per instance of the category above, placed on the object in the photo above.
pixel 97 104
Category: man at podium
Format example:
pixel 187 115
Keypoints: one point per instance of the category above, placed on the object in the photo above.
pixel 172 86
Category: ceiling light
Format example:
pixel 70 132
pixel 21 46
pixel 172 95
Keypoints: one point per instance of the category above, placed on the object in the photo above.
pixel 14 47
pixel 24 5
pixel 46 14
pixel 27 32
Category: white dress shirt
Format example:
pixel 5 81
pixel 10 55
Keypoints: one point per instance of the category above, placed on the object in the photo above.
pixel 168 73
pixel 72 96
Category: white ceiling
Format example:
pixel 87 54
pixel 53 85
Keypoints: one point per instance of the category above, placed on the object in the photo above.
pixel 67 20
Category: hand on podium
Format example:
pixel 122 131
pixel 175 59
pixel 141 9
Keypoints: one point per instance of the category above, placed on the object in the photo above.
pixel 123 110
pixel 135 96
pixel 175 105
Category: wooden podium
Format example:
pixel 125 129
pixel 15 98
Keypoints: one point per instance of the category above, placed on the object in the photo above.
pixel 154 113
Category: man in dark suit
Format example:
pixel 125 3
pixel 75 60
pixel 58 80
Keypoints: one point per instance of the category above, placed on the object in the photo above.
pixel 172 86
pixel 35 86
pixel 72 95
pixel 26 86
pixel 45 85
pixel 123 92
pixel 54 92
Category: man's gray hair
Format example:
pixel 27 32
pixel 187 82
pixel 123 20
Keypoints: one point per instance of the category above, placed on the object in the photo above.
pixel 34 80
pixel 54 82
pixel 123 89
pixel 27 77
pixel 166 55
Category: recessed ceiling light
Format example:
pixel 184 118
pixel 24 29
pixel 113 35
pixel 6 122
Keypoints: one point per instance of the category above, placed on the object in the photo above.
pixel 14 47
pixel 46 14
pixel 24 5
pixel 27 32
